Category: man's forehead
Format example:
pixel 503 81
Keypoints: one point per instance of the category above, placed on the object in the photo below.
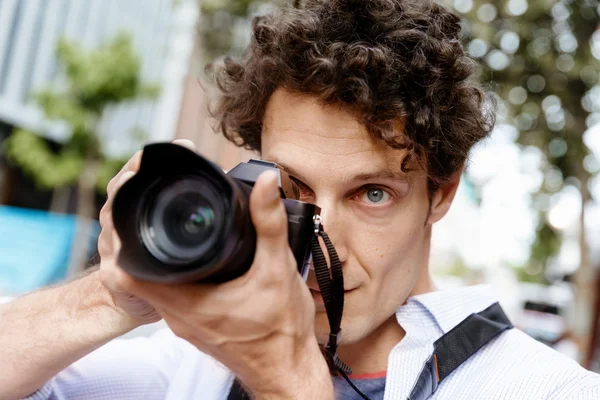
pixel 309 139
pixel 308 119
pixel 307 113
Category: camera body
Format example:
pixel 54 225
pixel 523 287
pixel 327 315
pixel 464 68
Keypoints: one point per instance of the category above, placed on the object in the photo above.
pixel 182 219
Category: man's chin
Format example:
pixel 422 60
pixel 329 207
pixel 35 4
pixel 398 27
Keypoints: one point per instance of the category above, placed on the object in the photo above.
pixel 321 327
pixel 322 330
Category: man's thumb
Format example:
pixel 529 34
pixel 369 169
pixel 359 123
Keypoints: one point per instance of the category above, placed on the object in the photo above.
pixel 268 212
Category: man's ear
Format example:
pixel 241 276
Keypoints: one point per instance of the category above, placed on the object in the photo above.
pixel 442 198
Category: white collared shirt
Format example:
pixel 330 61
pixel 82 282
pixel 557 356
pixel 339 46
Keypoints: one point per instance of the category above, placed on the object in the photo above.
pixel 512 366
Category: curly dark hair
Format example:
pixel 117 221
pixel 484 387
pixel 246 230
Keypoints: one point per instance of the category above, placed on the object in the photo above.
pixel 383 59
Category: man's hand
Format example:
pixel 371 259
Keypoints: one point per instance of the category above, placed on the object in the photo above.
pixel 260 325
pixel 137 311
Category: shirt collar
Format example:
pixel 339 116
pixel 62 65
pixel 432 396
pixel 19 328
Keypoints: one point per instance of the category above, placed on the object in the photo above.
pixel 444 308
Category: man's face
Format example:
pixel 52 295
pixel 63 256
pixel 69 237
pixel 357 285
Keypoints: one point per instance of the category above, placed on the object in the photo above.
pixel 376 216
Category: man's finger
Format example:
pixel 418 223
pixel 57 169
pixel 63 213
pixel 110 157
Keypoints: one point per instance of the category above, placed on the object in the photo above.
pixel 105 248
pixel 269 216
pixel 124 177
pixel 132 165
pixel 185 143
pixel 105 218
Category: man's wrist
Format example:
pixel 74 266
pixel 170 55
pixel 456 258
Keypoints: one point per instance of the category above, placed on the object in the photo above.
pixel 309 377
pixel 95 299
pixel 51 329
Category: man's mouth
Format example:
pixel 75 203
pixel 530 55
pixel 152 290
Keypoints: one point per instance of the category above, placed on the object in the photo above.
pixel 318 299
pixel 319 292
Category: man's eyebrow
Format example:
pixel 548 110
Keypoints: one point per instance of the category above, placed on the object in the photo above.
pixel 378 175
pixel 362 177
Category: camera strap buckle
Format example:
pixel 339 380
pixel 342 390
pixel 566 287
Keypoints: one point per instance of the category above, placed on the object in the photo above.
pixel 318 221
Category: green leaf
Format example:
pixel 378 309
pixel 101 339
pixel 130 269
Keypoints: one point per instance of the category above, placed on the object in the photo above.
pixel 47 169
pixel 94 80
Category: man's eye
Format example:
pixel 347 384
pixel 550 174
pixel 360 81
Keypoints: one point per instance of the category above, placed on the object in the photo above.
pixel 305 191
pixel 375 196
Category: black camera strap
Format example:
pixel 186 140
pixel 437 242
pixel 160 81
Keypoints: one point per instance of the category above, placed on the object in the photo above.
pixel 331 284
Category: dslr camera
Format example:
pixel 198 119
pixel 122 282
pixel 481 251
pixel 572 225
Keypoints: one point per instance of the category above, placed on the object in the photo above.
pixel 182 219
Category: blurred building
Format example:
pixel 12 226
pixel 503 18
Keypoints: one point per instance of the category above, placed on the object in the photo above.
pixel 164 37
pixel 30 30
pixel 195 124
pixel 164 33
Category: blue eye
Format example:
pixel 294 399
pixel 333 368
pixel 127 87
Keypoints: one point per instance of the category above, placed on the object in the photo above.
pixel 376 196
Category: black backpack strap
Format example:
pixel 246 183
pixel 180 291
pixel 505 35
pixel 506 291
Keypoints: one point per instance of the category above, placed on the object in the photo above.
pixel 458 345
pixel 238 392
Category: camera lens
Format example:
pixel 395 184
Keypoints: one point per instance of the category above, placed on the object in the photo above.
pixel 199 221
pixel 183 222
pixel 188 220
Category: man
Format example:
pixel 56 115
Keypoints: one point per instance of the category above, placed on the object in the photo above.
pixel 369 105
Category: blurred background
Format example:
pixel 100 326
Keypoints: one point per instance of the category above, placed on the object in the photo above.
pixel 86 83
